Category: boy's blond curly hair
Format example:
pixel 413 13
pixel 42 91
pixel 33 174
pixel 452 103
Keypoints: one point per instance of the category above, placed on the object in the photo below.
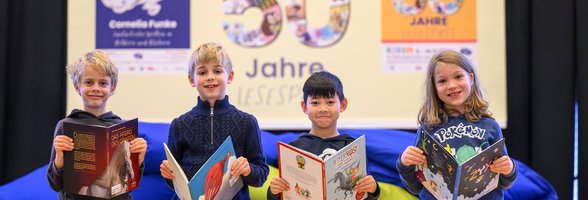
pixel 97 59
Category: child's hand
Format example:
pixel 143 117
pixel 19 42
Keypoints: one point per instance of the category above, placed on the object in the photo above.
pixel 240 167
pixel 412 156
pixel 502 165
pixel 166 170
pixel 61 143
pixel 366 184
pixel 139 145
pixel 278 185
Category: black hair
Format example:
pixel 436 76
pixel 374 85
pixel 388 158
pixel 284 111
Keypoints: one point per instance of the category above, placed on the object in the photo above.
pixel 323 84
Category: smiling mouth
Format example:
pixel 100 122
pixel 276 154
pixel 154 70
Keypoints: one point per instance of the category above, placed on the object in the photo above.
pixel 454 94
pixel 210 86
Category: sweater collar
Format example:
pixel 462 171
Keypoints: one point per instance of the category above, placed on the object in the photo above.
pixel 460 116
pixel 220 106
pixel 81 114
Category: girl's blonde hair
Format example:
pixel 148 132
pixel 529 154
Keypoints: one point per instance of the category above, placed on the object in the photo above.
pixel 433 111
pixel 209 52
pixel 97 59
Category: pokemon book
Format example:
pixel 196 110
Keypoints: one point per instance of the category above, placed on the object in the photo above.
pixel 101 163
pixel 212 181
pixel 333 178
pixel 446 178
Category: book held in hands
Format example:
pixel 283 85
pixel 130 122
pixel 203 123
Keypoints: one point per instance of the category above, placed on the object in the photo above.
pixel 311 177
pixel 212 181
pixel 101 163
pixel 469 177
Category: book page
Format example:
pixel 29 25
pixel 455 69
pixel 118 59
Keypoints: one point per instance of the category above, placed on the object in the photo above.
pixel 439 174
pixel 476 179
pixel 180 180
pixel 303 171
pixel 213 179
pixel 344 169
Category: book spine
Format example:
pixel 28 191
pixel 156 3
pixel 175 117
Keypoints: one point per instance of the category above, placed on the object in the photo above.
pixel 108 143
pixel 457 178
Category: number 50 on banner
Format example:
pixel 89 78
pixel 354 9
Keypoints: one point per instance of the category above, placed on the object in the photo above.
pixel 271 23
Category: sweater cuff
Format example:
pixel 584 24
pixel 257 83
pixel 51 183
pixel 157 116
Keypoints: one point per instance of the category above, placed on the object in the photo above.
pixel 376 194
pixel 54 169
pixel 514 171
pixel 252 178
pixel 272 196
pixel 403 168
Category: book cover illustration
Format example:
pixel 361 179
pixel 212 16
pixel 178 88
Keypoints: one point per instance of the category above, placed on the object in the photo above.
pixel 101 163
pixel 466 177
pixel 213 180
pixel 339 170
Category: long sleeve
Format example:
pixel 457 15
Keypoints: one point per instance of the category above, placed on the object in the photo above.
pixel 407 173
pixel 271 196
pixel 55 176
pixel 375 195
pixel 407 176
pixel 254 154
pixel 172 144
pixel 506 181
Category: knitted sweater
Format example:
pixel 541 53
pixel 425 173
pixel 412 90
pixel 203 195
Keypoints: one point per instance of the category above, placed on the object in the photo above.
pixel 55 176
pixel 459 132
pixel 197 134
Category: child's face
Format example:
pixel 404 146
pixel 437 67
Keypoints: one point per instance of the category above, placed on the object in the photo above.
pixel 95 88
pixel 210 80
pixel 453 85
pixel 323 112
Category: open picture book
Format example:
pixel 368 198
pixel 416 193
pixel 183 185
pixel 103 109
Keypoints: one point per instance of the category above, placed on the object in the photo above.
pixel 101 163
pixel 212 181
pixel 311 177
pixel 446 178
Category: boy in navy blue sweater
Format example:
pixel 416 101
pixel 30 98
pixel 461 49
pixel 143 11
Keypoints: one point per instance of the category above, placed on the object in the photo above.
pixel 197 134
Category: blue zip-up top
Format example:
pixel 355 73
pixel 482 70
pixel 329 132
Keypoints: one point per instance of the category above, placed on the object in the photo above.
pixel 459 132
pixel 197 134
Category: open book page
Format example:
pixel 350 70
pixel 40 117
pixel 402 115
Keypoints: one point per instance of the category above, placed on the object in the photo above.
pixel 180 180
pixel 339 172
pixel 476 179
pixel 213 180
pixel 444 178
pixel 303 170
pixel 344 169
pixel 439 173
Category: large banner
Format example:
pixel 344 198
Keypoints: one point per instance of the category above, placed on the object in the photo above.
pixel 276 44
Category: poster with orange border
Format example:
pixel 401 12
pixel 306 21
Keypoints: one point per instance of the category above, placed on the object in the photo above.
pixel 413 30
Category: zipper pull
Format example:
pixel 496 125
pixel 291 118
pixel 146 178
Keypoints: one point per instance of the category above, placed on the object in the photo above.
pixel 211 125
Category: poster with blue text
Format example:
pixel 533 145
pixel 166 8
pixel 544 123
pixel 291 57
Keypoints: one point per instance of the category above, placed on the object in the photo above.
pixel 144 36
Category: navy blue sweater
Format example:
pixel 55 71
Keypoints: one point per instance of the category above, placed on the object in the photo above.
pixel 197 134
pixel 456 133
